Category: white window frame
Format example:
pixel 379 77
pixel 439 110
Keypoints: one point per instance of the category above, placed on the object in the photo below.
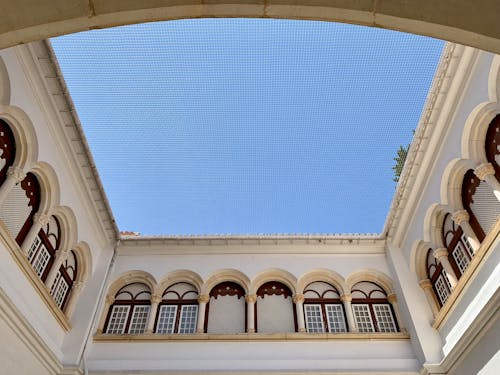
pixel 139 319
pixel 366 308
pixel 168 320
pixel 381 311
pixel 310 324
pixel 338 317
pixel 118 329
pixel 183 319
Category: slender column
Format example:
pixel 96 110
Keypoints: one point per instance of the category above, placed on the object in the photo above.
pixel 76 289
pixel 393 300
pixel 250 300
pixel 39 220
pixel 14 175
pixel 298 299
pixel 105 310
pixel 155 301
pixel 486 172
pixel 461 218
pixel 60 258
pixel 426 286
pixel 346 300
pixel 441 254
pixel 202 305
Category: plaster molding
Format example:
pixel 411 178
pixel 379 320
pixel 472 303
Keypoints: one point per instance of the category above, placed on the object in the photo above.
pixel 17 173
pixel 484 170
pixel 460 216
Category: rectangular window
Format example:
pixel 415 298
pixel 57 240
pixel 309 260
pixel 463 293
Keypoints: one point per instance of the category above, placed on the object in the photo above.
pixel 385 320
pixel 41 260
pixel 336 320
pixel 468 246
pixel 442 289
pixel 118 319
pixel 314 318
pixel 166 319
pixel 139 320
pixel 33 248
pixel 461 258
pixel 187 321
pixel 60 290
pixel 363 317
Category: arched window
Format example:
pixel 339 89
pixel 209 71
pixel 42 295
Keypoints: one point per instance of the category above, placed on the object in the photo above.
pixel 64 280
pixel 42 251
pixel 130 310
pixel 481 204
pixel 437 276
pixel 226 309
pixel 372 310
pixel 323 309
pixel 178 310
pixel 492 145
pixel 7 150
pixel 20 206
pixel 460 251
pixel 274 308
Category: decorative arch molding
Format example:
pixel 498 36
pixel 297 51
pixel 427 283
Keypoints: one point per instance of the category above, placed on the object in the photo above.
pixel 273 274
pixel 494 80
pixel 372 275
pixel 69 228
pixel 49 186
pixel 418 258
pixel 451 182
pixel 84 259
pixel 24 135
pixel 433 223
pixel 4 84
pixel 226 274
pixel 178 276
pixel 129 277
pixel 475 129
pixel 322 274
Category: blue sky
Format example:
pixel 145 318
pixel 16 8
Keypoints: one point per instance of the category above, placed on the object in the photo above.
pixel 247 126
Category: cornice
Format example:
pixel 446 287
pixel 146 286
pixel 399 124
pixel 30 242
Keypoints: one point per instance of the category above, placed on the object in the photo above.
pixel 58 106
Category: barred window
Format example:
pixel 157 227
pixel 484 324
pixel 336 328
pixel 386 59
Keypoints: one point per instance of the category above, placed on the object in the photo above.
pixel 323 308
pixel 178 310
pixel 130 310
pixel 372 311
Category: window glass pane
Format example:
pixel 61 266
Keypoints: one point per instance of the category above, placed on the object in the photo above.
pixel 41 260
pixel 33 248
pixel 187 322
pixel 314 319
pixel 385 320
pixel 60 290
pixel 118 319
pixel 336 320
pixel 166 319
pixel 363 318
pixel 468 246
pixel 139 319
pixel 442 288
pixel 460 256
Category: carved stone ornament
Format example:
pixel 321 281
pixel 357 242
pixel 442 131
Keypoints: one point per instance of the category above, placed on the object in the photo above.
pixel 484 170
pixel 346 298
pixel 440 253
pixel 425 284
pixel 41 219
pixel 155 298
pixel 251 298
pixel 460 216
pixel 203 298
pixel 17 173
pixel 298 298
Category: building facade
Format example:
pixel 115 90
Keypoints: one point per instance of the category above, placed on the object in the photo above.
pixel 76 296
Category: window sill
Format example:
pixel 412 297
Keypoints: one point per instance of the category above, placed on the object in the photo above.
pixel 474 267
pixel 38 285
pixel 291 336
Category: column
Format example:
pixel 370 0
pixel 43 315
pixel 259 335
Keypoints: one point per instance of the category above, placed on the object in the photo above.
pixel 426 286
pixel 39 220
pixel 76 289
pixel 60 258
pixel 104 313
pixel 393 300
pixel 250 300
pixel 461 218
pixel 441 254
pixel 202 305
pixel 155 301
pixel 14 175
pixel 298 299
pixel 346 300
pixel 486 172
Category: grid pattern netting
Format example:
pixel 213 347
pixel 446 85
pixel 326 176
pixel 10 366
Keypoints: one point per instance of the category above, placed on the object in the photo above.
pixel 363 317
pixel 187 321
pixel 139 320
pixel 442 288
pixel 166 319
pixel 15 209
pixel 314 319
pixel 485 207
pixel 118 319
pixel 385 320
pixel 60 290
pixel 336 320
